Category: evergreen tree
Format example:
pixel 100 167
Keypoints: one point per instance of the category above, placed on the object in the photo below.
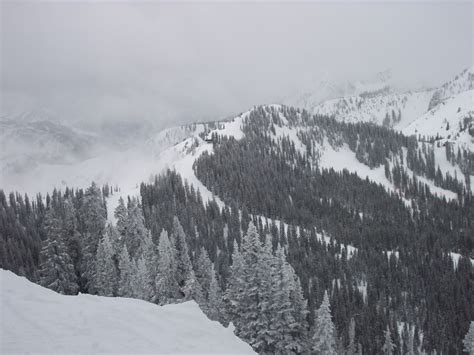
pixel 125 288
pixel 203 271
pixel 56 268
pixel 71 233
pixel 135 230
pixel 469 340
pixel 300 310
pixel 148 253
pixel 286 332
pixel 106 274
pixel 141 286
pixel 388 346
pixel 324 341
pixel 256 303
pixel 93 216
pixel 165 283
pixel 351 348
pixel 188 286
pixel 214 299
pixel 234 295
pixel 120 215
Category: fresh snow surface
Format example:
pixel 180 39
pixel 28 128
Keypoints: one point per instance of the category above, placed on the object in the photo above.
pixel 37 320
pixel 343 158
pixel 374 109
pixel 456 257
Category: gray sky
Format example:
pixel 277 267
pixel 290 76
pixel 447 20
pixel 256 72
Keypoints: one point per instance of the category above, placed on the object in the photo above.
pixel 173 62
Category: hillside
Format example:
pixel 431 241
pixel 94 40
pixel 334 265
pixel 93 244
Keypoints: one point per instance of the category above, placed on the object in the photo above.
pixel 425 112
pixel 38 320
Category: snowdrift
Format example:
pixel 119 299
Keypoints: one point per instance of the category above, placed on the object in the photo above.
pixel 34 319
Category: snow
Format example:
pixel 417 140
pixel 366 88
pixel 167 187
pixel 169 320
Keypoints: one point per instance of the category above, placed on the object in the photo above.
pixel 184 166
pixel 38 320
pixel 456 257
pixel 391 252
pixel 233 128
pixel 356 109
pixel 292 134
pixel 362 287
pixel 344 158
pixel 444 120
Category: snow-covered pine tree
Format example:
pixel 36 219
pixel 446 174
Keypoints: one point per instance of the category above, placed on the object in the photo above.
pixel 93 218
pixel 148 252
pixel 410 343
pixel 324 341
pixel 234 294
pixel 257 301
pixel 188 286
pixel 215 307
pixel 300 311
pixel 135 227
pixel 351 348
pixel 142 288
pixel 120 215
pixel 71 234
pixel 126 273
pixel 468 340
pixel 203 270
pixel 106 269
pixel 56 268
pixel 165 282
pixel 388 347
pixel 282 316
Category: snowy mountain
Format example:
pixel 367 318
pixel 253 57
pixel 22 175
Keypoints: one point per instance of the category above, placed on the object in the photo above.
pixel 25 144
pixel 425 112
pixel 328 87
pixel 38 320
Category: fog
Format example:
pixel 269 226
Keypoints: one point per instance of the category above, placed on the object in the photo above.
pixel 181 62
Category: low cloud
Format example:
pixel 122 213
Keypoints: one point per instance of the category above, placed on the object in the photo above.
pixel 177 62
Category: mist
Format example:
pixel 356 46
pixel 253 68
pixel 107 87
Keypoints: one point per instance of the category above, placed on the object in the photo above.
pixel 170 63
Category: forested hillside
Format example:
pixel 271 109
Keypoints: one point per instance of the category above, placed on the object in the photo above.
pixel 301 257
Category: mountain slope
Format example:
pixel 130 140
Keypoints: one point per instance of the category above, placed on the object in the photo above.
pixel 38 320
pixel 419 112
pixel 26 144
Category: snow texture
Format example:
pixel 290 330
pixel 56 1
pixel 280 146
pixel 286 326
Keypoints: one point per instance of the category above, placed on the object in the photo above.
pixel 38 320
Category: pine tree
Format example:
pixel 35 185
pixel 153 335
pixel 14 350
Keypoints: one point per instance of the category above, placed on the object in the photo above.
pixel 120 215
pixel 148 252
pixel 388 346
pixel 300 311
pixel 214 299
pixel 126 274
pixel 469 340
pixel 135 230
pixel 106 274
pixel 141 286
pixel 283 324
pixel 351 348
pixel 254 304
pixel 324 334
pixel 71 234
pixel 93 216
pixel 56 268
pixel 188 286
pixel 203 269
pixel 165 283
pixel 234 295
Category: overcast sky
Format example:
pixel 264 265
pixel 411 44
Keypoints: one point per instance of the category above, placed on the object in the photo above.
pixel 172 62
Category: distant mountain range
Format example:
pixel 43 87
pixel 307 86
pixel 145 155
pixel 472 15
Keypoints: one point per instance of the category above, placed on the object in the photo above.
pixel 446 112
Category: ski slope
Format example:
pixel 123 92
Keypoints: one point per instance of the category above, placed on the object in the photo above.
pixel 37 320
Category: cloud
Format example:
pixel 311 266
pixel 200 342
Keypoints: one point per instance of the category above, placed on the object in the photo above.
pixel 175 62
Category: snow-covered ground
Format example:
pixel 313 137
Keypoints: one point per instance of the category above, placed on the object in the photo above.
pixel 427 112
pixel 37 320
